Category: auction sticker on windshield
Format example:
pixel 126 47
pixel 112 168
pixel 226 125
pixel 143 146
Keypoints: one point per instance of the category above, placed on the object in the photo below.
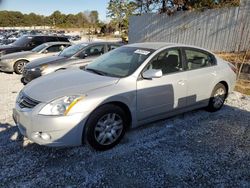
pixel 143 52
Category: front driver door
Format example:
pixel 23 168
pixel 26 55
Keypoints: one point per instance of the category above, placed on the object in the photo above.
pixel 160 95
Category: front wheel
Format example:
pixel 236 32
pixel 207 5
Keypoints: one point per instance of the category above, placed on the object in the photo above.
pixel 218 98
pixel 106 127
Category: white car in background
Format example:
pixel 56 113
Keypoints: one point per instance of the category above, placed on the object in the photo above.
pixel 127 87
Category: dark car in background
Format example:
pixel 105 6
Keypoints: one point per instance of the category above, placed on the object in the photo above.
pixel 26 43
pixel 74 56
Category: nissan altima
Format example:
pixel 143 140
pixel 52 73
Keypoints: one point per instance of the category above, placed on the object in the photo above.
pixel 127 87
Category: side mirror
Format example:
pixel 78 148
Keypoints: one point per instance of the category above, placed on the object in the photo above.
pixel 45 51
pixel 152 73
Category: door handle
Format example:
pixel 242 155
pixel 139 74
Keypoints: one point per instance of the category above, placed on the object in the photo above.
pixel 181 82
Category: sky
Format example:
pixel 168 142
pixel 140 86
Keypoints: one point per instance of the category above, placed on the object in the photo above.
pixel 47 7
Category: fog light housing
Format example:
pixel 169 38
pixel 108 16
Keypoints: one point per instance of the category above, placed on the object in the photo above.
pixel 41 135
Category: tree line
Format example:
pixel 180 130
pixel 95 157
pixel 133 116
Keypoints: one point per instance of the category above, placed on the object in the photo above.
pixel 120 10
pixel 57 19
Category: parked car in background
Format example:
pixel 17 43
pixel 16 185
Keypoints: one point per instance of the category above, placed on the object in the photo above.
pixel 129 86
pixel 74 56
pixel 26 43
pixel 14 62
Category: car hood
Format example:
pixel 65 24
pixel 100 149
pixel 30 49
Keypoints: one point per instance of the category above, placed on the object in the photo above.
pixel 63 83
pixel 44 61
pixel 17 55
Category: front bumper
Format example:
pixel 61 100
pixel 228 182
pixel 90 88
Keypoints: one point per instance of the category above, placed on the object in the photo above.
pixel 29 75
pixel 50 130
pixel 6 67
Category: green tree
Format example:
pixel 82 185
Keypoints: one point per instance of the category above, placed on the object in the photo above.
pixel 120 11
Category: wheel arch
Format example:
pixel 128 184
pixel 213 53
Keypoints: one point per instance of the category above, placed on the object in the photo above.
pixel 20 60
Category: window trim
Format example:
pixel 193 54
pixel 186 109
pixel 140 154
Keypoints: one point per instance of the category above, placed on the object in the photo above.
pixel 185 60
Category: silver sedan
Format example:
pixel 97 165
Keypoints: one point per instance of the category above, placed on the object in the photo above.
pixel 127 87
pixel 14 62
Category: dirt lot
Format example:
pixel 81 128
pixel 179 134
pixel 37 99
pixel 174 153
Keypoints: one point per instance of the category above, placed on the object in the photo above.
pixel 196 149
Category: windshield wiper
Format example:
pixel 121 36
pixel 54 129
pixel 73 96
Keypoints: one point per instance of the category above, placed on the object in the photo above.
pixel 95 71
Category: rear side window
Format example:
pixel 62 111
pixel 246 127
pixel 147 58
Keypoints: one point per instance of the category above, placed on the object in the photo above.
pixel 63 39
pixel 36 41
pixel 112 47
pixel 198 59
pixel 51 39
pixel 55 48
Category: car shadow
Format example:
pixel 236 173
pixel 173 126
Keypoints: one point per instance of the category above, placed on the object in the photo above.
pixel 178 148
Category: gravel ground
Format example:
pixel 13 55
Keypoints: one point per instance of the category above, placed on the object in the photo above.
pixel 195 149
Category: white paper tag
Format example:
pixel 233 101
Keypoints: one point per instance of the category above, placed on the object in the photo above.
pixel 143 52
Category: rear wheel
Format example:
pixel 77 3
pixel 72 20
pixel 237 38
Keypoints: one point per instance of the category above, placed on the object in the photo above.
pixel 106 127
pixel 218 98
pixel 19 65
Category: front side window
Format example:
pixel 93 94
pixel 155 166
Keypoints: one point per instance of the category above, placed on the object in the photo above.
pixel 55 48
pixel 168 61
pixel 39 48
pixel 95 50
pixel 72 50
pixel 198 59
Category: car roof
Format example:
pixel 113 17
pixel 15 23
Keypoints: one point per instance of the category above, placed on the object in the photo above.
pixel 100 42
pixel 159 45
pixel 55 43
pixel 41 35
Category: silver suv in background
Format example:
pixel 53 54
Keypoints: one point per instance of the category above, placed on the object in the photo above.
pixel 74 56
pixel 14 62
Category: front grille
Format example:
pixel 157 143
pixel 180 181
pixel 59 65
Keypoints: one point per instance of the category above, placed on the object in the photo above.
pixel 26 102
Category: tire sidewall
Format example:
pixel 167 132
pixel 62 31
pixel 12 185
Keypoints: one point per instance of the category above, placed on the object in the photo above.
pixel 95 116
pixel 16 64
pixel 211 107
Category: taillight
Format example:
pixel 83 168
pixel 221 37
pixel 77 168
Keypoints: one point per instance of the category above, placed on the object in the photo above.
pixel 232 67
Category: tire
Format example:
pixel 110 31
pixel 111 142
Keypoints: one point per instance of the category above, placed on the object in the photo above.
pixel 19 65
pixel 105 127
pixel 217 98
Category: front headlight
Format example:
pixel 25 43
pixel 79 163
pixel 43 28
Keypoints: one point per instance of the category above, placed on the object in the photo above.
pixel 61 106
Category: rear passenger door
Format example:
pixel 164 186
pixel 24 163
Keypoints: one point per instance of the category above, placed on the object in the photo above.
pixel 201 71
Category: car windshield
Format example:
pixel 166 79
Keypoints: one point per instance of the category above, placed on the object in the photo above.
pixel 39 48
pixel 72 50
pixel 120 62
pixel 23 41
